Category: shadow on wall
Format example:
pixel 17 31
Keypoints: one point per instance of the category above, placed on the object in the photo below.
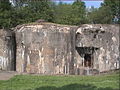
pixel 74 87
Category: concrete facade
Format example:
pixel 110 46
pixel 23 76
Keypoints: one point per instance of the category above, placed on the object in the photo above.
pixel 47 48
pixel 97 47
pixel 7 50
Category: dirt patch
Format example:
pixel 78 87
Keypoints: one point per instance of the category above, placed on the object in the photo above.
pixel 6 75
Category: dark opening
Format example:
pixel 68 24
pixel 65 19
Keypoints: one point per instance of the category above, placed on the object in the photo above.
pixel 11 46
pixel 87 53
pixel 87 60
pixel 14 50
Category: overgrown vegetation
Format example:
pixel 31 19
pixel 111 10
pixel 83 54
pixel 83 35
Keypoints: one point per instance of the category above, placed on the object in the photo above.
pixel 27 11
pixel 35 82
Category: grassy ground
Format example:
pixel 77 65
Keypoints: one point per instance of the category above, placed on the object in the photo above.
pixel 32 82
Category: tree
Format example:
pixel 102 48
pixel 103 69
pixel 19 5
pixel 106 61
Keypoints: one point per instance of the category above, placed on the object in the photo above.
pixel 5 5
pixel 108 13
pixel 100 15
pixel 78 13
pixel 114 6
pixel 41 10
pixel 24 11
pixel 62 14
pixel 70 14
pixel 5 14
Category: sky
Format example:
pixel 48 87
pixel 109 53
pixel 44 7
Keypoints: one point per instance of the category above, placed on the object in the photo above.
pixel 88 3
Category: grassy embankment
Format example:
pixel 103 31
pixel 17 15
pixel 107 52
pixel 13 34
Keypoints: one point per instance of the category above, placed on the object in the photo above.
pixel 34 82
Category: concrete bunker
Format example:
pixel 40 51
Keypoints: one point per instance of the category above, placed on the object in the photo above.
pixel 7 50
pixel 46 48
pixel 95 45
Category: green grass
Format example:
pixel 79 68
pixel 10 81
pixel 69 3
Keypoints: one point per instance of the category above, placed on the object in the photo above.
pixel 34 82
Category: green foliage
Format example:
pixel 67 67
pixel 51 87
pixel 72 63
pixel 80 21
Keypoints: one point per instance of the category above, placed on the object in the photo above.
pixel 5 5
pixel 106 13
pixel 62 14
pixel 114 8
pixel 70 14
pixel 100 16
pixel 24 12
pixel 113 5
pixel 40 10
pixel 78 13
pixel 27 11
pixel 5 13
pixel 35 82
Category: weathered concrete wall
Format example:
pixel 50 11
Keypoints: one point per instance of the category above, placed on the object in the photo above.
pixel 101 42
pixel 7 50
pixel 45 49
